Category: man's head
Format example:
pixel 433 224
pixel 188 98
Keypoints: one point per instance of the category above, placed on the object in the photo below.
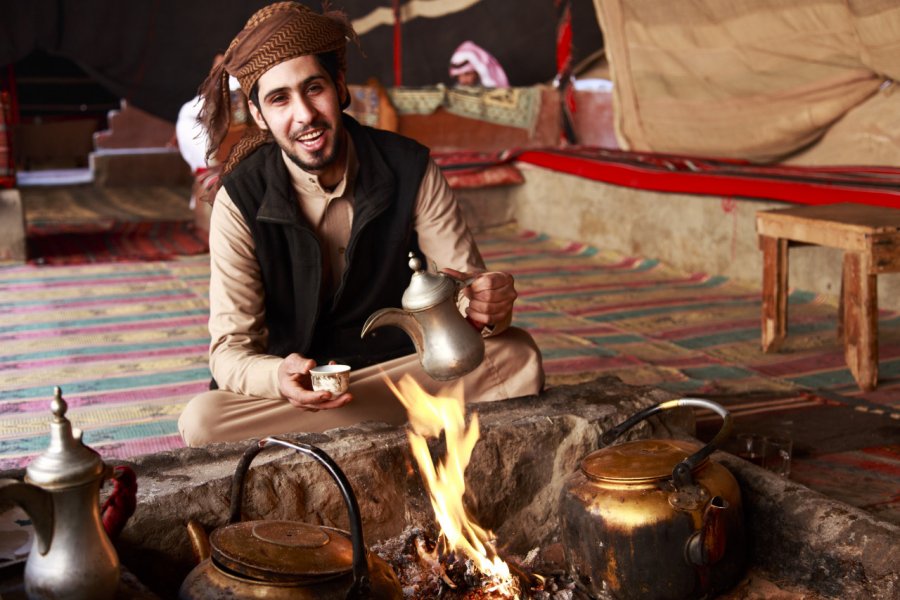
pixel 275 34
pixel 300 105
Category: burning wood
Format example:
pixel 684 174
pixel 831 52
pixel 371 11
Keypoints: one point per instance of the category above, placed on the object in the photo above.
pixel 460 562
pixel 425 571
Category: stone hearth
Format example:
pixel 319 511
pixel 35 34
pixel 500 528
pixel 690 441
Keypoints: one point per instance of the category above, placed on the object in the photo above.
pixel 528 446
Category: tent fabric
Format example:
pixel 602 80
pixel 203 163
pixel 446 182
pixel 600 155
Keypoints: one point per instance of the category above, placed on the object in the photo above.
pixel 155 53
pixel 751 79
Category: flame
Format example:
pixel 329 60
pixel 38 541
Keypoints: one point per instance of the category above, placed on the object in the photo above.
pixel 428 416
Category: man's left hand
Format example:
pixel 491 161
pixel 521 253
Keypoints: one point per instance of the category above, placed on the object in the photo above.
pixel 491 296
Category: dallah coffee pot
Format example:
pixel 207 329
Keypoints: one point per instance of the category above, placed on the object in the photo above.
pixel 72 557
pixel 655 519
pixel 448 346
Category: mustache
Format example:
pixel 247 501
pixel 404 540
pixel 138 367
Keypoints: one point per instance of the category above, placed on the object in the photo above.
pixel 296 135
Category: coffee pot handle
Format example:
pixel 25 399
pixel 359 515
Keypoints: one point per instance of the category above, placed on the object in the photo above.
pixel 682 472
pixel 360 564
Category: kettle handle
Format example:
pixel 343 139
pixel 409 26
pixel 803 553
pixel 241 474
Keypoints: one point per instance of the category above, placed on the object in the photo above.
pixel 360 565
pixel 681 474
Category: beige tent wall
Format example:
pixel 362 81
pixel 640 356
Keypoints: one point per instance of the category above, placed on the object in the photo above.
pixel 763 80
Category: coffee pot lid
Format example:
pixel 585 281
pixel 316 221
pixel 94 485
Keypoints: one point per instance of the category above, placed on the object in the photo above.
pixel 282 551
pixel 67 462
pixel 425 289
pixel 640 461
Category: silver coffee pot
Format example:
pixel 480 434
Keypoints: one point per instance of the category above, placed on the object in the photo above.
pixel 71 557
pixel 447 344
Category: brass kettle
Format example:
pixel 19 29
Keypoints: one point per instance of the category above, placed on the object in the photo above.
pixel 287 559
pixel 655 519
pixel 71 556
pixel 447 344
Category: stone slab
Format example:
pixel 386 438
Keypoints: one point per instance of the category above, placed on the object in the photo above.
pixel 798 539
pixel 528 447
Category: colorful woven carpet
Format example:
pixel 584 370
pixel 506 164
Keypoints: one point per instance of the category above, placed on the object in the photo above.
pixel 127 343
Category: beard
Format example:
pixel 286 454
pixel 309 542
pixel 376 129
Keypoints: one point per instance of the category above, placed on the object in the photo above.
pixel 319 159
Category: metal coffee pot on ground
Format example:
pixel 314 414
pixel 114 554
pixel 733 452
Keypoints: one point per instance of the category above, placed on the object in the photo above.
pixel 655 519
pixel 72 557
pixel 447 344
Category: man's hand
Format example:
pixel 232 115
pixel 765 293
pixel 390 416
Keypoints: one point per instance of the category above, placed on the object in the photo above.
pixel 491 296
pixel 294 384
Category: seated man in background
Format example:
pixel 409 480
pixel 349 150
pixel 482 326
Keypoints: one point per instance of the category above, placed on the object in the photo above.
pixel 310 234
pixel 471 65
pixel 193 141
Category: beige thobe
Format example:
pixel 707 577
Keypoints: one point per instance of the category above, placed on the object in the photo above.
pixel 249 403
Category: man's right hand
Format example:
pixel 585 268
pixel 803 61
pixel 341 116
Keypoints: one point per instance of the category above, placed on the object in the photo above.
pixel 294 384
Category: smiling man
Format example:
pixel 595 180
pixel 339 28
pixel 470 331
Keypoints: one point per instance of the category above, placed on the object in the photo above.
pixel 310 234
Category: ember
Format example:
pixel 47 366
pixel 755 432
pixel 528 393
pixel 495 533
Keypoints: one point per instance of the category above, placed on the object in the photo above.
pixel 425 572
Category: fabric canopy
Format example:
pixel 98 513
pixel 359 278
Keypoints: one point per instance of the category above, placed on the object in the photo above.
pixel 155 53
pixel 762 80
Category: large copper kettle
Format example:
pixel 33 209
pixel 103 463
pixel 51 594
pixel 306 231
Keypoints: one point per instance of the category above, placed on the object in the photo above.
pixel 655 519
pixel 287 559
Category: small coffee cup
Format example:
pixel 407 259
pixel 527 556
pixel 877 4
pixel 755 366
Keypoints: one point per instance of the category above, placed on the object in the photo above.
pixel 330 378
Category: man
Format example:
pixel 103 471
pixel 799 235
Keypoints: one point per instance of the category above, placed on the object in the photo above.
pixel 193 142
pixel 310 234
pixel 471 65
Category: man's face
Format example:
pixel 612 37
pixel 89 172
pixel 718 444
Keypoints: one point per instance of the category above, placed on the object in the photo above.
pixel 300 105
pixel 467 78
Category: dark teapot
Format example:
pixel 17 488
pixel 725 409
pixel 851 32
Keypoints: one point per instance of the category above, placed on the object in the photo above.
pixel 287 559
pixel 655 519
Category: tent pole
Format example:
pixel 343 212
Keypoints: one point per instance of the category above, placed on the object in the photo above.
pixel 398 54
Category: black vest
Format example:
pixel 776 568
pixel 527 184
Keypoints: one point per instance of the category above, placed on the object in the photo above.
pixel 299 317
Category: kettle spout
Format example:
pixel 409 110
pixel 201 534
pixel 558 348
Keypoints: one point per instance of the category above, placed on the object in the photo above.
pixel 707 545
pixel 199 541
pixel 38 503
pixel 397 318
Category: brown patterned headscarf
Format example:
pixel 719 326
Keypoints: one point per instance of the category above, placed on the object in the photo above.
pixel 274 34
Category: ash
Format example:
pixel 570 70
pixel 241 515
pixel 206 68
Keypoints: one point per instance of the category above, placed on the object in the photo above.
pixel 426 573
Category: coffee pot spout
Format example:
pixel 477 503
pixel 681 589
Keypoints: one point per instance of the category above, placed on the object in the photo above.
pixel 37 503
pixel 397 318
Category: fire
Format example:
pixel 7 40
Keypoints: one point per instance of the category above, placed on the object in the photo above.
pixel 428 416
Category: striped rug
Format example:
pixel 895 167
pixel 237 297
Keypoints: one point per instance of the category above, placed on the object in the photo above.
pixel 127 343
pixel 690 333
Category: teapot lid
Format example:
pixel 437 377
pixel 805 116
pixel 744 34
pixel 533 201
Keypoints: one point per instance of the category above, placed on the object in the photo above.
pixel 67 462
pixel 425 289
pixel 282 551
pixel 640 461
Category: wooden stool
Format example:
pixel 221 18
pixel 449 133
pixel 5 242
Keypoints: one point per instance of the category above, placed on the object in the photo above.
pixel 870 239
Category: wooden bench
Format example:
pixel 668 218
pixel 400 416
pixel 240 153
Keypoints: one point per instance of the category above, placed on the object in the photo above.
pixel 870 239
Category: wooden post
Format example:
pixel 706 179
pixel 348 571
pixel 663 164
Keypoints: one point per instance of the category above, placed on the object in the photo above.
pixel 860 322
pixel 775 291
